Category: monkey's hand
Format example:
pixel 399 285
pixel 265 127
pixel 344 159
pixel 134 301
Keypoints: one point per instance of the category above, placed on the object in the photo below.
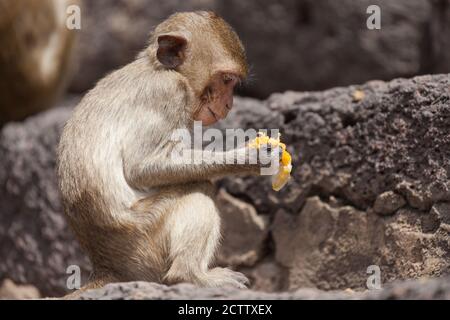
pixel 281 167
pixel 268 157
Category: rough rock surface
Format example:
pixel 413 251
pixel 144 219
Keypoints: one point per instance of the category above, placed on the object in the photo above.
pixel 323 230
pixel 332 248
pixel 326 42
pixel 36 246
pixel 244 232
pixel 419 289
pixel 345 154
pixel 388 202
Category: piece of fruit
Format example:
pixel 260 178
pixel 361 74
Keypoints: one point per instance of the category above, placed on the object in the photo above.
pixel 283 175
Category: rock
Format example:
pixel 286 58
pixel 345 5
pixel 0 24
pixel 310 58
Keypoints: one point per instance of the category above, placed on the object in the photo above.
pixel 416 198
pixel 388 202
pixel 322 242
pixel 267 276
pixel 441 213
pixel 313 44
pixel 148 290
pixel 311 244
pixel 439 191
pixel 244 232
pixel 349 153
pixel 424 289
pixel 354 151
pixel 323 230
pixel 36 246
pixel 9 290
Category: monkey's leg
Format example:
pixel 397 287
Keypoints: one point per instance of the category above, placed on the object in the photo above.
pixel 194 233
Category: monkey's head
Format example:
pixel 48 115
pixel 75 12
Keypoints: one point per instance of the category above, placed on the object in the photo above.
pixel 207 52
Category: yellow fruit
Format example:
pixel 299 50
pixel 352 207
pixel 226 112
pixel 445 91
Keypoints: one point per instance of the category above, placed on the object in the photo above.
pixel 284 172
pixel 281 178
pixel 286 158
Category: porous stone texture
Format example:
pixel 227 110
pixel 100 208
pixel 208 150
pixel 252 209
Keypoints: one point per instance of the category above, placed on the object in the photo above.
pixel 419 289
pixel 347 155
pixel 388 202
pixel 36 245
pixel 320 231
pixel 291 44
pixel 333 248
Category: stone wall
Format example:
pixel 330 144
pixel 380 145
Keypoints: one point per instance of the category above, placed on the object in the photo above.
pixel 370 187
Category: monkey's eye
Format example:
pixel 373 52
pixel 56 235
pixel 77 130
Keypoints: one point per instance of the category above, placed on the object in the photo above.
pixel 227 78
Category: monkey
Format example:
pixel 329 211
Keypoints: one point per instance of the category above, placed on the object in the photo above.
pixel 35 55
pixel 137 213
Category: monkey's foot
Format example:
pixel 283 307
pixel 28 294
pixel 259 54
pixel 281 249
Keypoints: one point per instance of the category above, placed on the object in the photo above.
pixel 222 277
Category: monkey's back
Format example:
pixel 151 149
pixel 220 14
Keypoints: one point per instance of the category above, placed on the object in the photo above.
pixel 90 168
pixel 95 193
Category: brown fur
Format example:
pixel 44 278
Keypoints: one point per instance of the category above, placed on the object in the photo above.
pixel 138 214
pixel 26 28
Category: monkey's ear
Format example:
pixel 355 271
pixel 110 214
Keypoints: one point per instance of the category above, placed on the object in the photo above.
pixel 171 50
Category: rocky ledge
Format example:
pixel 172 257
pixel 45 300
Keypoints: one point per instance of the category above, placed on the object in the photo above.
pixel 370 189
pixel 425 289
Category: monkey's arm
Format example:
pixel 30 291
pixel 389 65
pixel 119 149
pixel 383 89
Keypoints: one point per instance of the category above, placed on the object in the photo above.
pixel 195 165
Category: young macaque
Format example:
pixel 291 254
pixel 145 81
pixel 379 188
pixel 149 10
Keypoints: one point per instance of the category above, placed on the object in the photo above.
pixel 138 213
pixel 35 54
